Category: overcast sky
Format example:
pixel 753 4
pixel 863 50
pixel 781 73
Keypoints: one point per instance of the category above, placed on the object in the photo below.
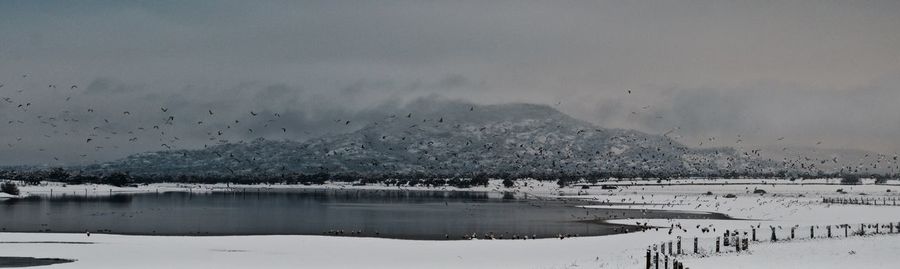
pixel 809 71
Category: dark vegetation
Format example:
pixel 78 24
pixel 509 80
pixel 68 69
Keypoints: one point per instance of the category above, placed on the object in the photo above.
pixel 9 188
pixel 851 180
pixel 411 179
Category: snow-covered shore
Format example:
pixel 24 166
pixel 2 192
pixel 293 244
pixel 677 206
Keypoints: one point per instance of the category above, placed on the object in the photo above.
pixel 784 203
pixel 290 251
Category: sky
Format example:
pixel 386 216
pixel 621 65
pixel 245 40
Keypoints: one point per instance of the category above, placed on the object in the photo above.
pixel 821 73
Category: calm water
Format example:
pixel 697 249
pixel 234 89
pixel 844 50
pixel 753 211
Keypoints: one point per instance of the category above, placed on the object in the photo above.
pixel 378 213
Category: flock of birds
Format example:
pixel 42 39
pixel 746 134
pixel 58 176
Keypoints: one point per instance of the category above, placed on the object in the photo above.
pixel 101 129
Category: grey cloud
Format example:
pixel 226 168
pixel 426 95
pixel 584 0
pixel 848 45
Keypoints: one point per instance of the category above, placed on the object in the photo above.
pixel 809 70
pixel 108 86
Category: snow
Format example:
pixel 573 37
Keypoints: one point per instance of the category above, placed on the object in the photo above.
pixel 860 252
pixel 117 251
pixel 785 204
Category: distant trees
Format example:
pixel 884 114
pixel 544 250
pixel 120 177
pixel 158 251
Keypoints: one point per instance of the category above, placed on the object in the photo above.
pixel 116 179
pixel 9 188
pixel 480 179
pixel 57 174
pixel 408 178
pixel 851 180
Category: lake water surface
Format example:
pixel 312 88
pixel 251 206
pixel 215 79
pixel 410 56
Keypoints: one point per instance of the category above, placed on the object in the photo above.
pixel 375 213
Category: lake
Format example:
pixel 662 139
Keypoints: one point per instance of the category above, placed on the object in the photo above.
pixel 402 214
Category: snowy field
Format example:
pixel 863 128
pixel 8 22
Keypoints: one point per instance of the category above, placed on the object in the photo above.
pixel 783 205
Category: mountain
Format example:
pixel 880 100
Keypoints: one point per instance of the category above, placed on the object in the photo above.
pixel 453 138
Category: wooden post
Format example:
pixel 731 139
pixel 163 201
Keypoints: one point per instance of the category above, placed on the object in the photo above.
pixel 876 227
pixel 829 230
pixel 812 231
pixel 648 258
pixel 792 232
pixel 717 244
pixel 774 237
pixel 754 234
pixel 725 240
pixel 845 230
pixel 656 260
pixel 696 250
pixel 679 245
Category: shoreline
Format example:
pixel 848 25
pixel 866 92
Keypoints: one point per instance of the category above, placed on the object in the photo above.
pixel 782 205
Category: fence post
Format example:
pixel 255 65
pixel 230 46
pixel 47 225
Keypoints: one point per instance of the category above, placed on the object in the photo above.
pixel 774 237
pixel 656 260
pixel 754 234
pixel 845 230
pixel 725 239
pixel 876 227
pixel 671 251
pixel 662 248
pixel 737 244
pixel 648 258
pixel 696 250
pixel 792 232
pixel 666 262
pixel 717 244
pixel 829 230
pixel 812 231
pixel 679 245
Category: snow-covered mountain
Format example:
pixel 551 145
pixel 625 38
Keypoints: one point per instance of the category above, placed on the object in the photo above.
pixel 450 138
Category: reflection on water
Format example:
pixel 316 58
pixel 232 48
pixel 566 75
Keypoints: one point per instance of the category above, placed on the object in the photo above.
pixel 381 213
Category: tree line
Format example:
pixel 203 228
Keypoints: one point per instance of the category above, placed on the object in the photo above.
pixel 393 179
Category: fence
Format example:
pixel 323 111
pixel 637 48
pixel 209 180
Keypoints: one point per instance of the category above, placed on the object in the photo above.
pixel 861 201
pixel 664 254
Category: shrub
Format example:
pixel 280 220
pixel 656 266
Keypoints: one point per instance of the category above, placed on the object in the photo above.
pixel 116 179
pixel 9 188
pixel 850 180
pixel 508 183
pixel 480 180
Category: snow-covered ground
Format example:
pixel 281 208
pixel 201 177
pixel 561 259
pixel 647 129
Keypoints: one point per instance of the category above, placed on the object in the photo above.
pixel 855 252
pixel 784 204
